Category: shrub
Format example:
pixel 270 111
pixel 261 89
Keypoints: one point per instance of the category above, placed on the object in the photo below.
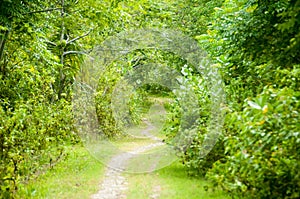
pixel 263 157
pixel 31 136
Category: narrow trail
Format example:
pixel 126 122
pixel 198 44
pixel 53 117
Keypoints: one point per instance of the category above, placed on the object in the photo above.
pixel 114 184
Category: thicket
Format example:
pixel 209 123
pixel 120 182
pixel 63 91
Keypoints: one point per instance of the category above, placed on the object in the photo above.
pixel 42 44
pixel 255 45
pixel 261 43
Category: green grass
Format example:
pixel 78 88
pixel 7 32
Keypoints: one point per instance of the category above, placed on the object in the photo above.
pixel 76 177
pixel 171 182
pixel 80 174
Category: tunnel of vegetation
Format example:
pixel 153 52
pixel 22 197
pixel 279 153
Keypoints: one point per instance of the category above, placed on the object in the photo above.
pixel 255 45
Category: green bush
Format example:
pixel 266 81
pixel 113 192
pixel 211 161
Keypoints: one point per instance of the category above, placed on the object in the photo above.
pixel 111 125
pixel 33 135
pixel 179 129
pixel 262 158
pixel 257 44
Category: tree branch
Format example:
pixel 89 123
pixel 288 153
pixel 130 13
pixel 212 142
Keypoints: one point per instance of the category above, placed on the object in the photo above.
pixel 74 52
pixel 50 42
pixel 40 11
pixel 79 37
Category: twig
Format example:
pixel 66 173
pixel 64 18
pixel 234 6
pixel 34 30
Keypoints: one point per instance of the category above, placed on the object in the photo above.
pixel 79 37
pixel 50 42
pixel 39 11
pixel 74 52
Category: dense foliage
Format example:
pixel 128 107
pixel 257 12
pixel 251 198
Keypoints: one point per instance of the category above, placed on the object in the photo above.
pixel 257 42
pixel 40 48
pixel 255 45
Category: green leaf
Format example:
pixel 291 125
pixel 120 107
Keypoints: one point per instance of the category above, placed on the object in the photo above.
pixel 254 105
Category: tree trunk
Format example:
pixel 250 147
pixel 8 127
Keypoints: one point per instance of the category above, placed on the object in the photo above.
pixel 2 45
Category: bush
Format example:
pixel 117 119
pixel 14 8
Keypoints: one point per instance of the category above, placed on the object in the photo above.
pixel 263 157
pixel 32 135
pixel 112 125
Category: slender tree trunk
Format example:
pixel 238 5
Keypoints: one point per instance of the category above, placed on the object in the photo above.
pixel 2 46
pixel 62 49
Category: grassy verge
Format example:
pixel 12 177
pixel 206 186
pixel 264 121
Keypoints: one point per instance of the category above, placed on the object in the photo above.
pixel 171 182
pixel 78 176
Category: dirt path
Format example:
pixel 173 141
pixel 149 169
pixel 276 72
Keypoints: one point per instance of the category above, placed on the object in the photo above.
pixel 114 183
